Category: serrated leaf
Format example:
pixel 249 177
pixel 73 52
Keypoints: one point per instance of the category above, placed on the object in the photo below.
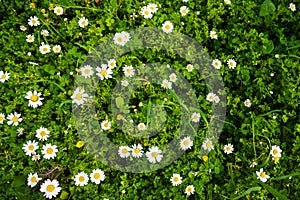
pixel 266 8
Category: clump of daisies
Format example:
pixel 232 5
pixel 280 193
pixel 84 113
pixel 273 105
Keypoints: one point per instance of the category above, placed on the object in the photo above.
pixel 147 11
pixel 212 97
pixel 275 153
pixel 166 84
pixel 34 98
pixel 122 38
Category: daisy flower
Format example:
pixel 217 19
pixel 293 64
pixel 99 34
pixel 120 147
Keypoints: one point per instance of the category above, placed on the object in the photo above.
pixel 30 38
pixel 33 179
pixel 14 119
pixel 166 84
pixel 216 99
pixel 190 67
pixel 216 64
pixel 195 117
pixel 228 149
pixel 126 36
pixel 231 63
pixel 20 131
pixel 4 76
pixel 167 27
pixel 137 150
pixel 146 12
pixel 23 28
pixel 128 71
pixel 227 1
pixel 79 97
pixel 34 98
pixel 210 97
pixel 58 10
pixel 176 179
pixel 213 35
pixel 33 21
pixel 121 38
pixel 83 22
pixel 189 190
pixel 186 143
pixel 184 0
pixel 124 151
pixel 154 155
pixel 36 157
pixel 44 48
pixel 276 159
pixel 45 33
pixel 207 145
pixel 262 175
pixel 253 164
pixel 81 179
pixel 124 83
pixel 105 125
pixel 112 63
pixel 173 77
pixel 153 7
pixel 56 48
pixel 97 176
pixel 86 71
pixel 276 151
pixel 141 126
pixel 247 103
pixel 50 188
pixel 184 10
pixel 104 72
pixel 292 7
pixel 49 151
pixel 2 117
pixel 42 133
pixel 30 147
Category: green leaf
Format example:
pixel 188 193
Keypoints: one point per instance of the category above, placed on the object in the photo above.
pixel 18 181
pixel 119 102
pixel 247 192
pixel 266 8
pixel 64 195
pixel 276 194
pixel 268 47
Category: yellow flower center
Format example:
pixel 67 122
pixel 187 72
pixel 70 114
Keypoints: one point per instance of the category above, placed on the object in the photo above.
pixel 86 71
pixel 97 175
pixel 176 179
pixel 78 97
pixel 189 189
pixel 124 151
pixel 147 12
pixel 216 64
pixel 120 39
pixel 183 11
pixel 49 151
pixel 31 147
pixel 83 22
pixel 276 159
pixel 1 118
pixel 15 119
pixel 34 98
pixel 186 142
pixel 58 11
pixel 105 125
pixel 43 133
pixel 81 178
pixel 36 157
pixel 103 72
pixel 213 35
pixel 32 5
pixel 205 158
pixel 3 76
pixel 112 64
pixel 137 150
pixel 33 179
pixel 50 188
pixel 128 70
pixel 154 154
pixel 275 151
pixel 228 148
pixel 45 49
pixel 56 48
pixel 231 63
pixel 262 174
pixel 208 144
pixel 167 27
pixel 33 21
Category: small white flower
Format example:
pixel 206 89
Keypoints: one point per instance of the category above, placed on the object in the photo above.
pixel 166 84
pixel 141 126
pixel 154 155
pixel 97 176
pixel 189 189
pixel 33 21
pixel 228 149
pixel 30 38
pixel 36 157
pixel 137 150
pixel 33 179
pixel 216 99
pixel 190 67
pixel 124 83
pixel 152 7
pixel 2 118
pixel 79 97
pixel 49 151
pixel 253 164
pixel 123 191
pixel 186 143
pixel 58 10
pixel 81 179
pixel 262 175
pixel 276 55
pixel 105 125
pixel 20 130
pixel 195 117
pixel 124 151
pixel 34 98
pixel 274 117
pixel 176 179
pixel 292 7
pixel 56 48
pixel 184 10
pixel 128 71
pixel 146 12
pixel 231 63
pixel 167 27
pixel 227 1
pixel 210 97
pixel 207 145
pixel 30 147
pixel 216 64
pixel 42 133
pixel 104 72
pixel 50 188
pixel 23 28
pixel 4 76
pixel 121 38
pixel 247 103
pixel 213 35
pixel 44 48
pixel 83 22
pixel 272 74
pixel 173 77
pixel 14 119
pixel 276 151
pixel 86 71
pixel 45 33
pixel 184 0
pixel 112 63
